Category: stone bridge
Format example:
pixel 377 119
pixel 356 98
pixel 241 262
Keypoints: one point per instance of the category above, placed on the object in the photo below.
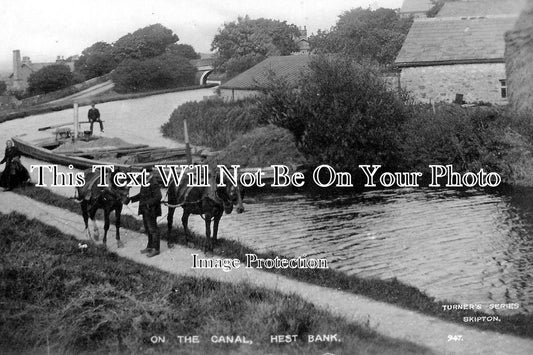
pixel 205 67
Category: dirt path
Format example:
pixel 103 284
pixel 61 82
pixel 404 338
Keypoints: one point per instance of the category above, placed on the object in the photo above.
pixel 384 318
pixel 87 93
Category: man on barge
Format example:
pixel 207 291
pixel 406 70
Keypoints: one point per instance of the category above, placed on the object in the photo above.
pixel 94 116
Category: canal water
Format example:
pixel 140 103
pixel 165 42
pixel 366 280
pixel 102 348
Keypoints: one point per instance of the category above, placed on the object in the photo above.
pixel 468 247
pixel 462 246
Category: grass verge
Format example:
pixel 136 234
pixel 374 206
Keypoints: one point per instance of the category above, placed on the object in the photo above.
pixel 390 291
pixel 58 298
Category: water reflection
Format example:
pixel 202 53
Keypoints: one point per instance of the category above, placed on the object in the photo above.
pixel 468 247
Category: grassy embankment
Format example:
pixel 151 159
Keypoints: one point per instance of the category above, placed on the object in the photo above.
pixel 235 128
pixel 468 138
pixel 57 298
pixel 104 97
pixel 390 291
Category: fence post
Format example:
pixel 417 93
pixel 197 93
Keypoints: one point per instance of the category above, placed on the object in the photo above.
pixel 76 122
pixel 187 145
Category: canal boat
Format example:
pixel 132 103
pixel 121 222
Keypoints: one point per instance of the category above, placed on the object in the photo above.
pixel 89 151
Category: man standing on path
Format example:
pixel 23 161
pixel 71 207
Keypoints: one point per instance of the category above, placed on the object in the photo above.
pixel 94 116
pixel 149 198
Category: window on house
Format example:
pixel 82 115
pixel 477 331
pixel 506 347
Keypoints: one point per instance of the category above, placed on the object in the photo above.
pixel 503 88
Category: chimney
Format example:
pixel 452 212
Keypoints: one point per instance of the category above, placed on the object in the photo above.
pixel 303 32
pixel 16 65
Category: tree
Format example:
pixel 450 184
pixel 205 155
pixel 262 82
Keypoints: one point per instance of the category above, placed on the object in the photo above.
pixel 183 50
pixel 3 87
pixel 246 42
pixel 50 78
pixel 147 42
pixel 162 72
pixel 364 34
pixel 96 60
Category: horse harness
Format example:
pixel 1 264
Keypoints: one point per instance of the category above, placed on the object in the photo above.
pixel 216 198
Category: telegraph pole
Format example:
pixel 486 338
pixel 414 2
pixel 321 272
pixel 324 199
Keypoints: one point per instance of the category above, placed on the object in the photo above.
pixel 76 122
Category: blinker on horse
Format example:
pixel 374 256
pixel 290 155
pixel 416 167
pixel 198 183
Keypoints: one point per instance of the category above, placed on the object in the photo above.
pixel 210 202
pixel 110 198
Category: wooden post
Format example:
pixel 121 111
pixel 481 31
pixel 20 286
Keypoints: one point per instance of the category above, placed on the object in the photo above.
pixel 76 122
pixel 187 145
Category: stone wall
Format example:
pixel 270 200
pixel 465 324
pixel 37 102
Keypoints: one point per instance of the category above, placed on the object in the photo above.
pixel 519 62
pixel 476 82
pixel 234 94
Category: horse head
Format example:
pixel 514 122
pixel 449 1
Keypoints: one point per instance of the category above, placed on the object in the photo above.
pixel 231 196
pixel 236 195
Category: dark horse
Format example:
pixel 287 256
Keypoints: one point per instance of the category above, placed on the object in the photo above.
pixel 110 198
pixel 206 201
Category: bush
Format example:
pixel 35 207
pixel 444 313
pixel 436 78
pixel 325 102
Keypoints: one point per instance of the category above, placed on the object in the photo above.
pixel 467 138
pixel 50 78
pixel 163 72
pixel 262 147
pixel 182 50
pixel 213 123
pixel 342 114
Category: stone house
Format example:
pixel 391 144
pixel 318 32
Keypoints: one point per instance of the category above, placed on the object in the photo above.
pixel 447 58
pixel 22 69
pixel 460 51
pixel 250 82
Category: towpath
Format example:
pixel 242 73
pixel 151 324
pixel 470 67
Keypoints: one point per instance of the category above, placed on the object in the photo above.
pixel 84 94
pixel 384 318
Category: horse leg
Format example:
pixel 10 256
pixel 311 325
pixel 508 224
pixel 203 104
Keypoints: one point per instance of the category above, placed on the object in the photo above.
pixel 185 222
pixel 209 241
pixel 85 215
pixel 118 211
pixel 216 220
pixel 92 216
pixel 170 219
pixel 107 212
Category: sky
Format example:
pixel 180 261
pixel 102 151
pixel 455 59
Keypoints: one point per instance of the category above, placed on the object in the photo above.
pixel 44 29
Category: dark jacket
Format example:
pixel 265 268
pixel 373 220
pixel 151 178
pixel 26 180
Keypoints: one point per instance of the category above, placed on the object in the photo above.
pixel 9 155
pixel 15 173
pixel 93 114
pixel 149 198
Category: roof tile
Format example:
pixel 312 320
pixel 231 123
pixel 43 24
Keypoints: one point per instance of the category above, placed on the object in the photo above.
pixel 455 40
pixel 287 67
